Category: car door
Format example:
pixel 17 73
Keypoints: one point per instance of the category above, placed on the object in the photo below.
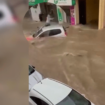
pixel 56 33
pixel 37 101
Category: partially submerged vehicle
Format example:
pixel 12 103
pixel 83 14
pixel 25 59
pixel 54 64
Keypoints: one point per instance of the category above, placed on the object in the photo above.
pixel 54 30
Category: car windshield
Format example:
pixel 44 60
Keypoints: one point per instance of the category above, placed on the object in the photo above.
pixel 74 98
pixel 31 70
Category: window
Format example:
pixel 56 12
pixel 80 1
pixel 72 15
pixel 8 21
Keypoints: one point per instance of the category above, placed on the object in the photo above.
pixel 31 70
pixel 1 15
pixel 44 34
pixel 38 101
pixel 54 32
pixel 74 98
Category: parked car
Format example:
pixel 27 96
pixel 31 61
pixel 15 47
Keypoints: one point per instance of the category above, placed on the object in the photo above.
pixel 54 30
pixel 7 16
pixel 52 92
pixel 34 76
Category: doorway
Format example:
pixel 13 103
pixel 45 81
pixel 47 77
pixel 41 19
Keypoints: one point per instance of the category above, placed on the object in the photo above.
pixel 48 7
pixel 82 12
pixel 67 11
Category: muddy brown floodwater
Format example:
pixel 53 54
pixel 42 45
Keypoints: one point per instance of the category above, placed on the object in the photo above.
pixel 77 60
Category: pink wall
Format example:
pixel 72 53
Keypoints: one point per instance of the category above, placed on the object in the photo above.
pixel 72 17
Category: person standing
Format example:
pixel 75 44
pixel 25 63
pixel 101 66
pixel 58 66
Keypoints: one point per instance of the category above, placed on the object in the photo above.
pixel 48 19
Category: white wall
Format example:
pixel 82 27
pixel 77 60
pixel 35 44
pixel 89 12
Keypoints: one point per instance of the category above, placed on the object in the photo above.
pixel 64 16
pixel 35 13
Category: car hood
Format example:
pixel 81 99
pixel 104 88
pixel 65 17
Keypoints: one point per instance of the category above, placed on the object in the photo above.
pixel 52 90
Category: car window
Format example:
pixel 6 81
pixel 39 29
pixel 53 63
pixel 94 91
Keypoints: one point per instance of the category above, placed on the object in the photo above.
pixel 44 34
pixel 78 98
pixel 1 15
pixel 74 98
pixel 54 32
pixel 38 101
pixel 31 70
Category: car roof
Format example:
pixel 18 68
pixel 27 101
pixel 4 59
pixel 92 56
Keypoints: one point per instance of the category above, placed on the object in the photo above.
pixel 45 28
pixel 54 91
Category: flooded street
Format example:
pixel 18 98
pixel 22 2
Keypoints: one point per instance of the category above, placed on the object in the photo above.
pixel 77 60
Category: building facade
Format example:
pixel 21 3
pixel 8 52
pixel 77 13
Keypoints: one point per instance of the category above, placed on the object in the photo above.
pixel 63 9
pixel 86 12
pixel 91 13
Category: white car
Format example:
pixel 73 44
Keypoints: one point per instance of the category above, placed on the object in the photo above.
pixel 34 76
pixel 7 17
pixel 51 31
pixel 52 92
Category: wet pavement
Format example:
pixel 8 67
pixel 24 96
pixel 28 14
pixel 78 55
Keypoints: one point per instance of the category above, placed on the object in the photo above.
pixel 77 60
